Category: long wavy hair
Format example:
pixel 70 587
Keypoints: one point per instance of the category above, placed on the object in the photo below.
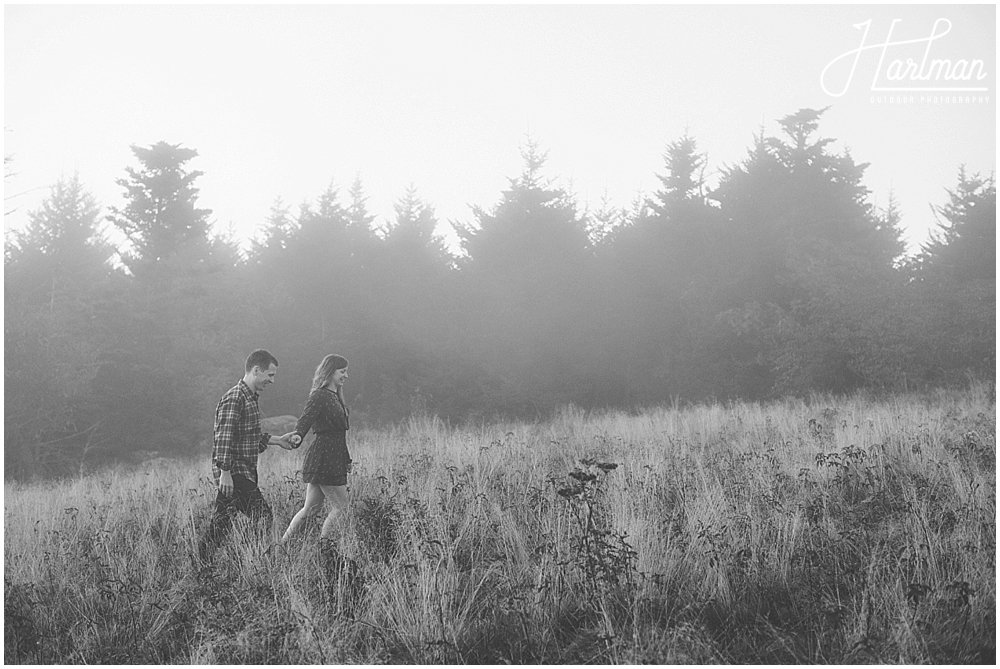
pixel 324 373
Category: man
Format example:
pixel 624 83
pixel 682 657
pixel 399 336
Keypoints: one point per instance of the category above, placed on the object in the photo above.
pixel 237 442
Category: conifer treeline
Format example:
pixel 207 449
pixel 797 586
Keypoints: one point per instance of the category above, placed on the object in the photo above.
pixel 783 278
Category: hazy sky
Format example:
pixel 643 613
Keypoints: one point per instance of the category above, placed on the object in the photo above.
pixel 281 100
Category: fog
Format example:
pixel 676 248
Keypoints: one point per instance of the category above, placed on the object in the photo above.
pixel 133 295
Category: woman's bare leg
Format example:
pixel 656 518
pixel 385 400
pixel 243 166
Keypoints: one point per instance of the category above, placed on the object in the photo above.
pixel 339 500
pixel 314 498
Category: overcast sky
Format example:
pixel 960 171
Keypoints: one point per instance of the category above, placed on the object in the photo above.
pixel 281 100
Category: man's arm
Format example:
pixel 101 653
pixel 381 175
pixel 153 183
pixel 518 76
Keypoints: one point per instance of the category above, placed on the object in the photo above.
pixel 226 416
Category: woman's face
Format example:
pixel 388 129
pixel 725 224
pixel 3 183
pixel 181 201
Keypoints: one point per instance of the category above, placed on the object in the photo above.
pixel 339 376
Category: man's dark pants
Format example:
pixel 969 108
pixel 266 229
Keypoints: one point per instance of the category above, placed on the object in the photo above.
pixel 245 499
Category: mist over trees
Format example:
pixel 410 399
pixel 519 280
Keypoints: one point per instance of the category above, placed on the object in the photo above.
pixel 782 278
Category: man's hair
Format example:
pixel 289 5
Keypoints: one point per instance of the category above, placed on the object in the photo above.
pixel 261 358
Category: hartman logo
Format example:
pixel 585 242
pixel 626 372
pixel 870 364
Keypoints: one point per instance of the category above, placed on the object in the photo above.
pixel 906 65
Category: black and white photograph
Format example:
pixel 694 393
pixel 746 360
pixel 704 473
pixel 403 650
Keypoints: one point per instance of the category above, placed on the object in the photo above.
pixel 448 334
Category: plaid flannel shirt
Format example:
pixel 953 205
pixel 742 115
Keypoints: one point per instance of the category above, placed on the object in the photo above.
pixel 238 438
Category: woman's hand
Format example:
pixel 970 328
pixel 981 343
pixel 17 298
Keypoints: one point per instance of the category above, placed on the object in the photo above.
pixel 289 441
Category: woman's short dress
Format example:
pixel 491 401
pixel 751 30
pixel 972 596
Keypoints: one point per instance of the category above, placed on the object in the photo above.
pixel 328 457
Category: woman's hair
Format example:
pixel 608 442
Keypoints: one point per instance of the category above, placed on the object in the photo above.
pixel 324 373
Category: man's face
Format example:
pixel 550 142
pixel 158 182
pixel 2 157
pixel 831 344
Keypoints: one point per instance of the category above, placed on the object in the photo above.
pixel 262 378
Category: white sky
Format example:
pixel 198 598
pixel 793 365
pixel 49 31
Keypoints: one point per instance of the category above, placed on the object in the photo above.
pixel 279 100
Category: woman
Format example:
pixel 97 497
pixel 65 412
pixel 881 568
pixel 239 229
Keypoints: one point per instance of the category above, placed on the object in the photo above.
pixel 328 461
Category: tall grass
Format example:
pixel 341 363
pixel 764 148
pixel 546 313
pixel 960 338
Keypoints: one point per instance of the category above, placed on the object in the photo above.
pixel 833 530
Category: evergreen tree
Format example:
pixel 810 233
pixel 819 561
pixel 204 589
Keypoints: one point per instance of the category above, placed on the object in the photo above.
pixel 413 313
pixel 161 220
pixel 666 268
pixel 172 326
pixel 60 248
pixel 534 226
pixel 278 230
pixel 414 233
pixel 963 249
pixel 319 276
pixel 955 280
pixel 603 222
pixel 803 243
pixel 684 181
pixel 361 235
pixel 358 218
pixel 528 269
pixel 327 280
pixel 55 273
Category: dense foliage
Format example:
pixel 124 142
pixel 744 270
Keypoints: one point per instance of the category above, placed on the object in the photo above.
pixel 781 279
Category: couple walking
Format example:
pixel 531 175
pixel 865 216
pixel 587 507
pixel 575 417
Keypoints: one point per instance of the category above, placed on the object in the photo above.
pixel 238 440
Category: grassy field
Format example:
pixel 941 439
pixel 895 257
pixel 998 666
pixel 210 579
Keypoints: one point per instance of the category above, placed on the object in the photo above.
pixel 834 530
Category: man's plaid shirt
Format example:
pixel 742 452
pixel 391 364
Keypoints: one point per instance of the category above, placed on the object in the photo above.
pixel 238 438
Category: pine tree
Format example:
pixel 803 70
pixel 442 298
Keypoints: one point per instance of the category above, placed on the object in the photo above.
pixel 55 276
pixel 812 266
pixel 278 230
pixel 61 246
pixel 955 281
pixel 412 313
pixel 321 277
pixel 161 220
pixel 685 178
pixel 414 234
pixel 963 248
pixel 528 272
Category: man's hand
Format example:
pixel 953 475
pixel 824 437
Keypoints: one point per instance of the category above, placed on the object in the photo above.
pixel 226 483
pixel 289 441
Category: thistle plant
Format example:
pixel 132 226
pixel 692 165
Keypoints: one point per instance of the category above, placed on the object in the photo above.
pixel 604 557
